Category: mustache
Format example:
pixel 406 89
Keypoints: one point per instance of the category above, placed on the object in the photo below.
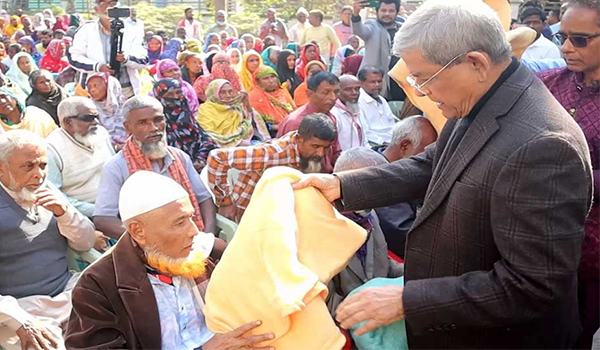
pixel 154 134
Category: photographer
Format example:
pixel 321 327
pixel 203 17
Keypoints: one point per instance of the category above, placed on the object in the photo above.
pixel 91 50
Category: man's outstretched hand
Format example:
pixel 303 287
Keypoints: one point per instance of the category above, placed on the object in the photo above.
pixel 328 184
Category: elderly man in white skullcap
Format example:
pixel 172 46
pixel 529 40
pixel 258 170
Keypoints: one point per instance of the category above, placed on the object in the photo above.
pixel 145 294
pixel 298 29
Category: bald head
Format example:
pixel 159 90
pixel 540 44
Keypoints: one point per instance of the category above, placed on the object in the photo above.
pixel 410 136
pixel 349 89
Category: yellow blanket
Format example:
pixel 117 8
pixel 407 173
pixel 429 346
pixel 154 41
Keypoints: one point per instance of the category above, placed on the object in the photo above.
pixel 288 245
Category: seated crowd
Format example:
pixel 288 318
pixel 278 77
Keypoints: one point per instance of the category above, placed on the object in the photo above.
pixel 142 161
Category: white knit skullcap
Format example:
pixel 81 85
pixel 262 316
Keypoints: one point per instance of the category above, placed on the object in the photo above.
pixel 145 191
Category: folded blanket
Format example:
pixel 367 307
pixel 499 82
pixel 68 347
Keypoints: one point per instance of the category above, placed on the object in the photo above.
pixel 288 246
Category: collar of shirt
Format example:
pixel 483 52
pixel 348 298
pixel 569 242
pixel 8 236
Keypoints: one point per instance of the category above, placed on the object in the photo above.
pixel 512 67
pixel 579 80
pixel 340 105
pixel 368 98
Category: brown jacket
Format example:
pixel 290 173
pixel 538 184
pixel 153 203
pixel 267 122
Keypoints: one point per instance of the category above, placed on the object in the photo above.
pixel 114 305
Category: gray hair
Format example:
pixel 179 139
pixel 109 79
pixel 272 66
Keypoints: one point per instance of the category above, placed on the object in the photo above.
pixel 443 29
pixel 13 140
pixel 139 102
pixel 358 158
pixel 408 128
pixel 68 107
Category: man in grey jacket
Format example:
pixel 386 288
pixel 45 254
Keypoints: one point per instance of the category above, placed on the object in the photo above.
pixel 378 35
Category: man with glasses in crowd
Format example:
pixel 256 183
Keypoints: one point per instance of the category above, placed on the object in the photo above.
pixel 493 254
pixel 577 89
pixel 77 152
pixel 88 55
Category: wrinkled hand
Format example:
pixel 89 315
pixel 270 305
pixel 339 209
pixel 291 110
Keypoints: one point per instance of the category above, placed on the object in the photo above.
pixel 105 68
pixel 229 211
pixel 378 306
pixel 52 201
pixel 101 242
pixel 236 340
pixel 120 57
pixel 329 185
pixel 245 100
pixel 357 6
pixel 36 336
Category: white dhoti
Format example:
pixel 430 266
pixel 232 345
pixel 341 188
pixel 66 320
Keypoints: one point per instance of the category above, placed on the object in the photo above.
pixel 50 312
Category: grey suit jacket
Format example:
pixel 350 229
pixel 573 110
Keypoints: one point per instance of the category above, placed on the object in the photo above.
pixel 491 260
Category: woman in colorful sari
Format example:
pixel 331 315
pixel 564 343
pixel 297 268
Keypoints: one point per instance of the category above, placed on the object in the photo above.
pixel 272 102
pixel 167 69
pixel 183 131
pixel 308 53
pixel 301 93
pixel 107 95
pixel 220 69
pixel 53 58
pixel 228 118
pixel 21 69
pixel 251 60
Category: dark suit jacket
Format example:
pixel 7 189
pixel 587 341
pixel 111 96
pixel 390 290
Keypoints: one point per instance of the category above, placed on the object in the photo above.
pixel 491 260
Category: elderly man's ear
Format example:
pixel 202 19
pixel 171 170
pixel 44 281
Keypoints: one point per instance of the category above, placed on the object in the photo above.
pixel 481 63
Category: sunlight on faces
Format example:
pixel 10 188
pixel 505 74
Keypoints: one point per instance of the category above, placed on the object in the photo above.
pixel 44 83
pixel 194 64
pixel 25 171
pixel 82 131
pixel 172 73
pixel 323 99
pixel 214 40
pixel 166 235
pixel 269 83
pixel 7 104
pixel 312 69
pixel 291 61
pixel 581 21
pixel 456 89
pixel 387 13
pixel 227 94
pixel 234 56
pixel 311 53
pixel 154 44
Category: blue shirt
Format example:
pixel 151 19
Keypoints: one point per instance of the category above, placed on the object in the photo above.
pixel 182 324
pixel 115 172
pixel 541 65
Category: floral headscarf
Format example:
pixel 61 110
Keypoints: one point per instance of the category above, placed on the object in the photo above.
pixel 52 59
pixel 183 131
pixel 219 71
pixel 172 49
pixel 187 89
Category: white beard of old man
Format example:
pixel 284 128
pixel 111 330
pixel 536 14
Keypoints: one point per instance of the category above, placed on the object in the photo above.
pixel 160 222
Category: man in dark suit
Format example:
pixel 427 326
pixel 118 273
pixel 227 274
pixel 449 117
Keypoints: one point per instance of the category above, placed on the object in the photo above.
pixel 492 257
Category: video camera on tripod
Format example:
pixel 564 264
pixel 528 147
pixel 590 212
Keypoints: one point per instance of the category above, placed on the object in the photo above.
pixel 116 36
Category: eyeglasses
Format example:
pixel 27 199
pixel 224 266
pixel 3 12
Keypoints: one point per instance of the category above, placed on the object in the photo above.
pixel 576 40
pixel 88 118
pixel 413 82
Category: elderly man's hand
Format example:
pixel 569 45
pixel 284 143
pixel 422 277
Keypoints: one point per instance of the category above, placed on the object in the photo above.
pixel 52 201
pixel 235 339
pixel 378 306
pixel 36 336
pixel 329 185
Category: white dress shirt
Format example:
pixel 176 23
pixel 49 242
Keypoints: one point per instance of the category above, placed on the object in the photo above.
pixel 350 132
pixel 540 49
pixel 377 118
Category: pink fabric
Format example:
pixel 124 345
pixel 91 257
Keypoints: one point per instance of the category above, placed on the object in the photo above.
pixel 186 88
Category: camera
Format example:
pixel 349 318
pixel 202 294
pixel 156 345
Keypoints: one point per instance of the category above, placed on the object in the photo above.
pixel 119 12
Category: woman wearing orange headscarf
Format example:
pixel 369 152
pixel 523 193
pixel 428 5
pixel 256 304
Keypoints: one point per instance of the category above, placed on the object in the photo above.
pixel 272 102
pixel 301 93
pixel 251 61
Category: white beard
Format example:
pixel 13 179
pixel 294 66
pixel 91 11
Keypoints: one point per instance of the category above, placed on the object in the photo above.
pixel 90 140
pixel 155 150
pixel 352 107
pixel 23 195
pixel 311 167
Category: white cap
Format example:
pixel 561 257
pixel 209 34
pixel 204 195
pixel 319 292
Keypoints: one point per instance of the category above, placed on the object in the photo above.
pixel 301 10
pixel 145 191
